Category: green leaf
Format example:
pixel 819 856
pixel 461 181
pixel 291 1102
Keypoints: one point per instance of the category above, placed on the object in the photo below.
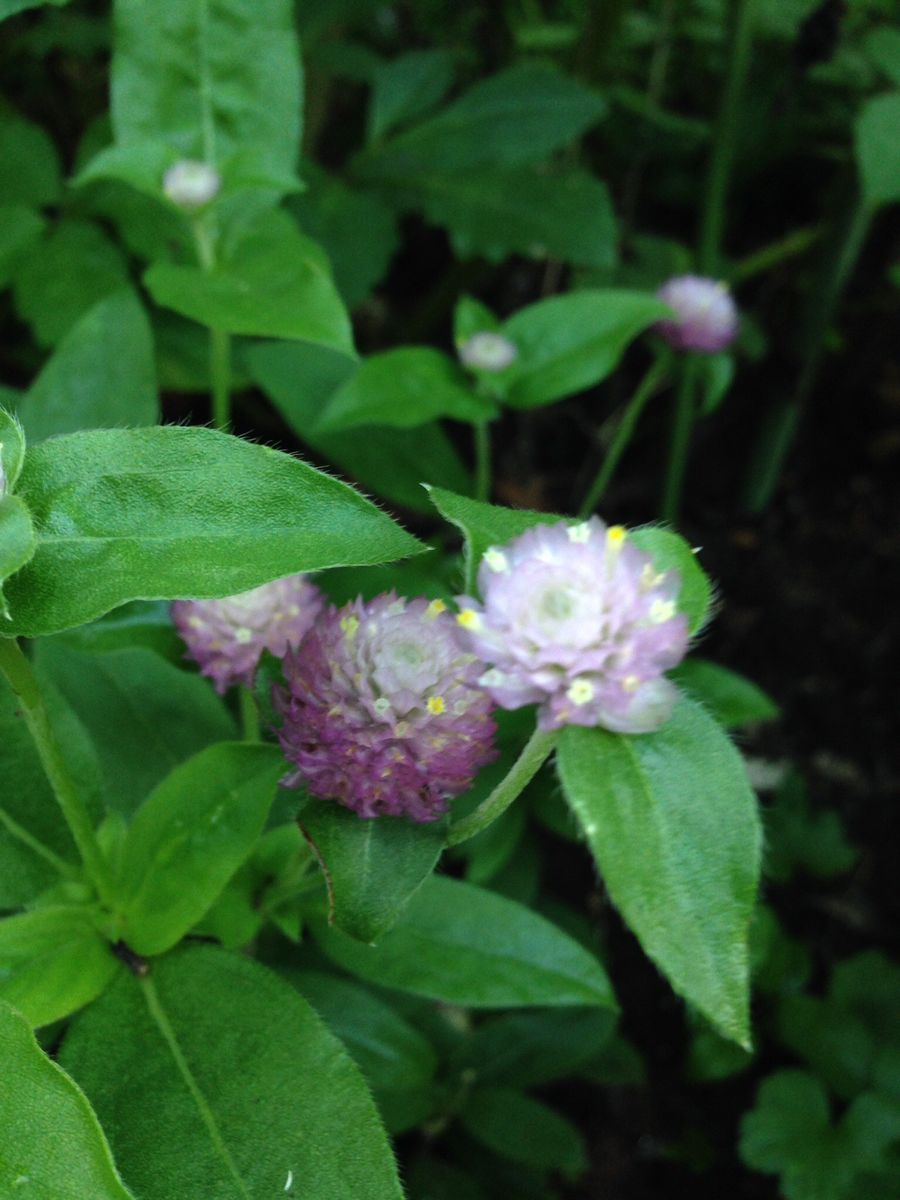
pixel 334 214
pixel 515 117
pixel 28 805
pixel 524 1130
pixel 407 87
pixel 65 274
pixel 391 1054
pixel 12 450
pixel 52 962
pixel 673 825
pixel 485 525
pixel 102 374
pixel 848 1037
pixel 732 699
pixel 29 163
pixel 790 1133
pixel 274 282
pixel 670 552
pixel 542 214
pixel 882 46
pixel 51 1143
pixel 715 374
pixel 17 544
pixel 210 77
pixel 534 1048
pixel 190 836
pixel 20 228
pixel 569 343
pixel 471 316
pixel 299 379
pixel 260 1094
pixel 167 512
pixel 458 943
pixel 146 716
pixel 878 149
pixel 403 388
pixel 801 835
pixel 371 868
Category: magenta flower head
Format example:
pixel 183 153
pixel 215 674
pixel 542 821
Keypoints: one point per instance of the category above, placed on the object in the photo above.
pixel 383 711
pixel 227 637
pixel 706 317
pixel 577 620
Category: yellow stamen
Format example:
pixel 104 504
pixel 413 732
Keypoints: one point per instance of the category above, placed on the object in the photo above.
pixel 436 705
pixel 469 619
pixel 435 608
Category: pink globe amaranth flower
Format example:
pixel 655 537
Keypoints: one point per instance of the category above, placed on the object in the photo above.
pixel 706 317
pixel 577 620
pixel 383 711
pixel 226 638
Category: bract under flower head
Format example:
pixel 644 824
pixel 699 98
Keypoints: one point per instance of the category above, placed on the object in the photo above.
pixel 383 712
pixel 706 317
pixel 227 637
pixel 487 351
pixel 191 184
pixel 577 620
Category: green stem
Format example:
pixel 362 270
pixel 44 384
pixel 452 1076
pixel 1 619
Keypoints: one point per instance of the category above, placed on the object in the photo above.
pixel 249 714
pixel 14 829
pixel 219 340
pixel 778 431
pixel 679 448
pixel 161 1020
pixel 624 433
pixel 536 752
pixel 220 377
pixel 719 175
pixel 482 435
pixel 798 241
pixel 17 669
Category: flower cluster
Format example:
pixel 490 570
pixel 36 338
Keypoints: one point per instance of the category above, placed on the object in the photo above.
pixel 383 710
pixel 226 638
pixel 706 317
pixel 577 620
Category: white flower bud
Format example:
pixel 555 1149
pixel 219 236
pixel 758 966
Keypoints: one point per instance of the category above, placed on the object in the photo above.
pixel 488 352
pixel 191 184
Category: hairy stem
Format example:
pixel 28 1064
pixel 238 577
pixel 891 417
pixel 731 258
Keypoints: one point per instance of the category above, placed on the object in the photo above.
pixel 680 444
pixel 536 752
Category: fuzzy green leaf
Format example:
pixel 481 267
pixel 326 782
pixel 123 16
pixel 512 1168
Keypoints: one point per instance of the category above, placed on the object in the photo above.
pixel 51 1143
pixel 101 376
pixel 260 1097
pixel 464 945
pixel 190 836
pixel 167 512
pixel 674 828
pixel 371 868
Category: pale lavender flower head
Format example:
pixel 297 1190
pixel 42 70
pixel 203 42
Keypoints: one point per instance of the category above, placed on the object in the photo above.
pixel 191 184
pixel 706 317
pixel 577 620
pixel 383 711
pixel 227 637
pixel 487 351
